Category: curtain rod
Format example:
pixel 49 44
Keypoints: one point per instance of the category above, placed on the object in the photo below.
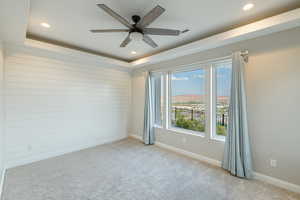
pixel 244 54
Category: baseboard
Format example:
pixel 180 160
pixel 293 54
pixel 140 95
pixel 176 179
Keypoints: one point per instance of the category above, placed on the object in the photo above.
pixel 137 137
pixel 258 176
pixel 190 154
pixel 277 182
pixel 2 182
pixel 183 152
pixel 47 155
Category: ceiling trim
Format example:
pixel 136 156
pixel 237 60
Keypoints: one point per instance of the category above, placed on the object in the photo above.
pixel 72 52
pixel 287 20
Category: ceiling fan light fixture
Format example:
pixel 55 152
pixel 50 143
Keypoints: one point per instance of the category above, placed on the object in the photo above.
pixel 136 36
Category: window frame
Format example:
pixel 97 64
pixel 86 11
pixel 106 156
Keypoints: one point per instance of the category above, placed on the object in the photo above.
pixel 169 97
pixel 210 93
pixel 213 133
pixel 161 75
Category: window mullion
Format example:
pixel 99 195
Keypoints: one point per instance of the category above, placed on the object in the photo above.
pixel 167 100
pixel 212 102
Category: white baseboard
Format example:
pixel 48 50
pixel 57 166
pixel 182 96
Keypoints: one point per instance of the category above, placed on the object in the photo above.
pixel 183 152
pixel 2 182
pixel 190 154
pixel 258 176
pixel 137 137
pixel 277 182
pixel 46 155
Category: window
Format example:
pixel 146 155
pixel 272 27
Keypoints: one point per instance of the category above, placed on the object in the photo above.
pixel 188 100
pixel 194 100
pixel 222 73
pixel 157 85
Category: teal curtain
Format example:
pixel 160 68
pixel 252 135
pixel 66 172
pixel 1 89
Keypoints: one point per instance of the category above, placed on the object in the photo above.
pixel 148 136
pixel 237 155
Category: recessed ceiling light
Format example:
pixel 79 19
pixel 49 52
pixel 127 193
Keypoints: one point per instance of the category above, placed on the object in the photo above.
pixel 248 6
pixel 46 25
pixel 133 52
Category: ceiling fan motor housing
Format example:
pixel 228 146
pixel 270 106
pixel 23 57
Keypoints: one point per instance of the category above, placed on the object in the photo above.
pixel 136 18
pixel 135 29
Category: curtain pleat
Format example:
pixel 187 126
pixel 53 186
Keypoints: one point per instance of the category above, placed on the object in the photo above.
pixel 237 155
pixel 148 136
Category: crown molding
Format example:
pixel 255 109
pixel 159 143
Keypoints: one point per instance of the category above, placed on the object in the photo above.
pixel 285 21
pixel 71 52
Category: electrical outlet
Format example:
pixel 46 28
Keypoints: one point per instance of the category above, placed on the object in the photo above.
pixel 273 163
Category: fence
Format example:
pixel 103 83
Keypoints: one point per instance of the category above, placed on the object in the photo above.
pixel 187 113
pixel 222 119
pixel 199 115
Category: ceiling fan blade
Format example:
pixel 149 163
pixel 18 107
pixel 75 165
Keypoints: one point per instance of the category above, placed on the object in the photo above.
pixel 126 41
pixel 160 31
pixel 108 30
pixel 149 41
pixel 151 16
pixel 115 15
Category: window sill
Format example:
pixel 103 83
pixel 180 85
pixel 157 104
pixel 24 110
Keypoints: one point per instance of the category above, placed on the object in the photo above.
pixel 218 138
pixel 188 132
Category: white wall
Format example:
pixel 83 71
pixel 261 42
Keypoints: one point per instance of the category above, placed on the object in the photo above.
pixel 55 106
pixel 1 116
pixel 272 85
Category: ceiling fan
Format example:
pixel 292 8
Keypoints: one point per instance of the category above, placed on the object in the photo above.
pixel 138 30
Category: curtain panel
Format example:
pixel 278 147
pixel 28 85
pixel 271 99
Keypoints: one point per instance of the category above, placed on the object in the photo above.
pixel 149 111
pixel 237 155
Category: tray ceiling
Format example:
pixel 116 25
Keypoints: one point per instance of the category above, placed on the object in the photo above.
pixel 71 21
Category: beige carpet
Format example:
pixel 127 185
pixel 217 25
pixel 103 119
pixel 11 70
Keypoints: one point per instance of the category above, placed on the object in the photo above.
pixel 128 170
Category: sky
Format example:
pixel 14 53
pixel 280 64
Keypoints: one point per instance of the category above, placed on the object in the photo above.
pixel 193 82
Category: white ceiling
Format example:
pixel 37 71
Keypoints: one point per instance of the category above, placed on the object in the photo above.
pixel 13 20
pixel 71 21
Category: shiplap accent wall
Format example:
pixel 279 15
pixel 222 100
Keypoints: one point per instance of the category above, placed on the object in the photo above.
pixel 54 106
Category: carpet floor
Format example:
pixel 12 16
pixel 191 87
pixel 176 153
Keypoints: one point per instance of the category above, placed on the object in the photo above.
pixel 128 170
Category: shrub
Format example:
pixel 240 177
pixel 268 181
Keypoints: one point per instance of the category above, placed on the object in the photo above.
pixel 221 130
pixel 194 125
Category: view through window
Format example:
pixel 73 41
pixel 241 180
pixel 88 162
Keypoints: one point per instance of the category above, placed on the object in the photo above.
pixel 223 82
pixel 196 97
pixel 188 100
